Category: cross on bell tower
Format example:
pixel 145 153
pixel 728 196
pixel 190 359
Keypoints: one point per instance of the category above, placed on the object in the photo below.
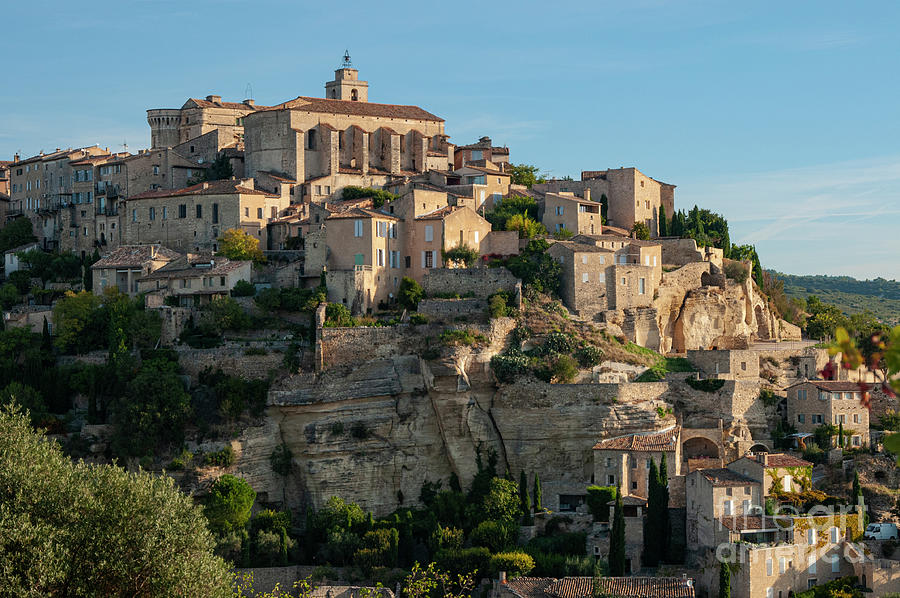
pixel 346 84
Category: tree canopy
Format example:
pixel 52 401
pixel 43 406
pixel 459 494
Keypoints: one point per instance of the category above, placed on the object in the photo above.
pixel 73 529
pixel 238 244
pixel 525 174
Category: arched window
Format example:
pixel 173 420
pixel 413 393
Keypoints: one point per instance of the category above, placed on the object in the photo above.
pixel 353 95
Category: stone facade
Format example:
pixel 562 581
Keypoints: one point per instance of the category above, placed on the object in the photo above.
pixel 726 364
pixel 813 403
pixel 480 282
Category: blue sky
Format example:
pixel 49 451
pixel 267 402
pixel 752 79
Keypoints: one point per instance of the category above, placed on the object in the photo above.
pixel 781 115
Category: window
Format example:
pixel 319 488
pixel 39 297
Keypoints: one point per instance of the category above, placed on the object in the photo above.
pixel 381 229
pixel 770 593
pixel 769 571
pixel 729 507
pixel 318 189
pixel 782 565
pixel 634 485
pixel 134 215
pixel 357 228
pixel 811 538
pixel 407 260
pixel 476 233
pixel 380 256
pixel 817 418
pixel 246 212
pixel 835 563
pixel 633 463
pixel 610 480
pixel 182 211
pixel 584 277
pixel 155 169
pixel 856 441
pixel 215 214
pixel 601 277
pixel 152 213
pixel 429 233
pixel 392 230
pixel 259 213
pixel 311 142
pixel 476 154
pixel 641 286
pixel 840 419
pixel 609 462
pixel 602 260
pixel 560 210
pixel 199 211
pixel 835 535
pixel 428 259
pixel 855 418
pixel 624 281
pixel 395 259
pixel 801 418
pixel 811 562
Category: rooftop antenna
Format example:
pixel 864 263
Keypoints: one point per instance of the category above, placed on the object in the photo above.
pixel 248 92
pixel 124 145
pixel 346 64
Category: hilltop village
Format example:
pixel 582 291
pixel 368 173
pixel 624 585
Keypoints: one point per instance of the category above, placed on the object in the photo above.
pixel 374 329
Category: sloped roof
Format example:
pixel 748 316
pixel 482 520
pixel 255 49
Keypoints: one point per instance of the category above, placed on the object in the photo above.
pixel 575 247
pixel 187 267
pixel 723 477
pixel 739 523
pixel 232 105
pixel 665 440
pixel 622 587
pixel 351 108
pixel 782 460
pixel 128 256
pixel 831 385
pixel 223 187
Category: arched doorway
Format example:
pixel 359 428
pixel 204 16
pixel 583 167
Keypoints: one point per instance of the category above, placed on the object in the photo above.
pixel 759 448
pixel 699 447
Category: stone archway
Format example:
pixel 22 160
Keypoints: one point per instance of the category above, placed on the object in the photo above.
pixel 759 448
pixel 762 323
pixel 699 447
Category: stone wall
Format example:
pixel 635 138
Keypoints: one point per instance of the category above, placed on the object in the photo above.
pixel 233 359
pixel 451 308
pixel 479 282
pixel 265 579
pixel 678 252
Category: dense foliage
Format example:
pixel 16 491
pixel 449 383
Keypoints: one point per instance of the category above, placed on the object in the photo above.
pixel 379 196
pixel 536 267
pixel 238 244
pixel 73 529
pixel 525 174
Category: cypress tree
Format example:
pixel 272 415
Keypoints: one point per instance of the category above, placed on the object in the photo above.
pixel 841 434
pixel 604 208
pixel 454 483
pixel 46 341
pixel 651 530
pixel 537 494
pixel 663 222
pixel 524 499
pixel 724 581
pixel 664 527
pixel 617 539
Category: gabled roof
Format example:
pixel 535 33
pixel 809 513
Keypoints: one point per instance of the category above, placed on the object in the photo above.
pixel 351 108
pixel 188 266
pixel 622 587
pixel 128 256
pixel 484 170
pixel 830 385
pixel 225 187
pixel 357 212
pixel 779 460
pixel 665 440
pixel 722 477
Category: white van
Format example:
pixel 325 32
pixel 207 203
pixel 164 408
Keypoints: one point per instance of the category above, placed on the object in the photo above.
pixel 881 531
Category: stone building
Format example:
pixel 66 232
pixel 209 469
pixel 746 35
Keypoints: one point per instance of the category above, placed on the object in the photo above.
pixel 775 471
pixel 631 195
pixel 624 461
pixel 123 267
pixel 726 364
pixel 711 494
pixel 587 587
pixel 173 126
pixel 564 211
pixel 583 279
pixel 4 176
pixel 813 403
pixel 481 150
pixel 194 218
pixel 193 280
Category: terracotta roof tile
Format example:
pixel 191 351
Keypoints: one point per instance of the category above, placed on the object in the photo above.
pixel 351 108
pixel 723 477
pixel 439 214
pixel 665 440
pixel 739 523
pixel 230 105
pixel 622 587
pixel 831 385
pixel 583 247
pixel 134 256
pixel 782 460
pixel 210 188
pixel 186 267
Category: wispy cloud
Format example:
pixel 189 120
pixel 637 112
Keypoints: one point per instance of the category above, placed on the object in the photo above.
pixel 830 218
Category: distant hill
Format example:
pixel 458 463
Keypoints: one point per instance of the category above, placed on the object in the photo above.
pixel 880 296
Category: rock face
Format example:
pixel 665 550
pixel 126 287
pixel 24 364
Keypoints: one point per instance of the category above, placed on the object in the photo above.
pixel 696 307
pixel 381 430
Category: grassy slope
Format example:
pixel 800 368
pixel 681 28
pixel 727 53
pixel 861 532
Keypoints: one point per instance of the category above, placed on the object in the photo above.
pixel 880 296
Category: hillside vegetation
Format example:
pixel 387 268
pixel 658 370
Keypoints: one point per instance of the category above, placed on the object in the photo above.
pixel 879 296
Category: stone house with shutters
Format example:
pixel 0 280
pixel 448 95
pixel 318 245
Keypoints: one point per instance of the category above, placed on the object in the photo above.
pixel 624 461
pixel 126 265
pixel 194 218
pixel 579 215
pixel 812 403
pixel 775 471
pixel 482 150
pixel 193 280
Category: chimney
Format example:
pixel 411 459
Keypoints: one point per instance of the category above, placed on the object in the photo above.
pixel 250 102
pixel 587 194
pixel 206 185
pixel 16 158
pixel 216 99
pixel 502 578
pixel 765 459
pixel 153 252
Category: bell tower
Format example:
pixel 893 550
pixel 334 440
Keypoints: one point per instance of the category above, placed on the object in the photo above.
pixel 346 84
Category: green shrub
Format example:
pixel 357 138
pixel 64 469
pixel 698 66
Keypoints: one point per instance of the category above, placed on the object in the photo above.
pixel 736 271
pixel 409 293
pixel 280 459
pixel 243 288
pixel 323 573
pixel 475 560
pixel 558 342
pixel 338 316
pixel 456 337
pixel 337 428
pixel 588 356
pixel 705 385
pixel 256 351
pixel 379 196
pixel 563 369
pixel 359 431
pixel 461 254
pixel 566 543
pixel 768 397
pixel 516 564
pixel 493 535
pixel 221 458
pixel 228 504
pixel 509 367
pixel 181 461
pixel 417 319
pixel 497 306
pixel 598 498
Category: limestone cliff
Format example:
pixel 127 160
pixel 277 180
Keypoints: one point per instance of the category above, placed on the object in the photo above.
pixel 380 430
